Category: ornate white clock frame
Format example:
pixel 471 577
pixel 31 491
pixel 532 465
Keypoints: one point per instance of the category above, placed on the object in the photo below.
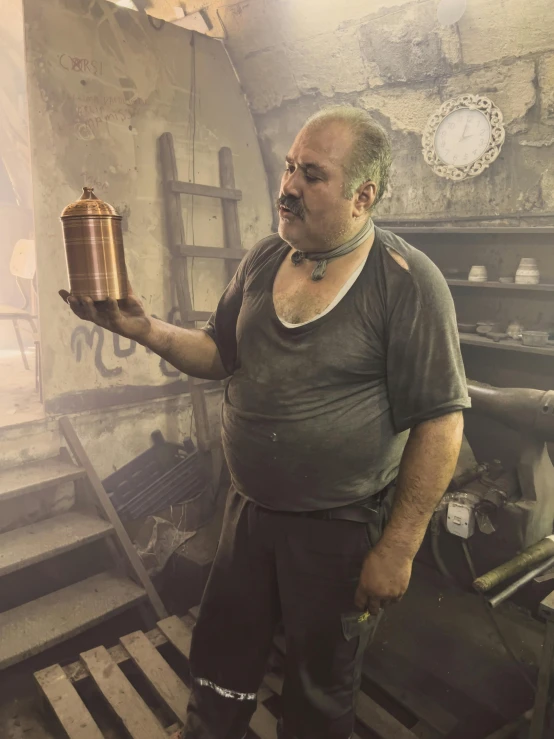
pixel 445 165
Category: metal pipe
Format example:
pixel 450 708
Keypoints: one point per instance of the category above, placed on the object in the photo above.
pixel 518 584
pixel 531 556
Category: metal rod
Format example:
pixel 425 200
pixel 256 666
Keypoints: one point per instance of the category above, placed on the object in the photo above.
pixel 518 584
pixel 533 555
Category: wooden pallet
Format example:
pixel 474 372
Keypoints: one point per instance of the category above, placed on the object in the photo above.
pixel 102 668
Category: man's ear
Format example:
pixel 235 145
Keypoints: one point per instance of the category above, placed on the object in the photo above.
pixel 365 197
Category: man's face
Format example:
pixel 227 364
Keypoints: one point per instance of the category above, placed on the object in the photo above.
pixel 314 214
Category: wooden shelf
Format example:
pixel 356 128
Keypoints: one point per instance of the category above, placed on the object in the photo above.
pixel 507 345
pixel 470 230
pixel 501 285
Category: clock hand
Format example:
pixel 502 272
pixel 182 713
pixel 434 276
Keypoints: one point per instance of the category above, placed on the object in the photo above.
pixel 465 129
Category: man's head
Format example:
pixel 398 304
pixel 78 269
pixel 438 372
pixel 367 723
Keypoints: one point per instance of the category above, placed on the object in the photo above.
pixel 336 171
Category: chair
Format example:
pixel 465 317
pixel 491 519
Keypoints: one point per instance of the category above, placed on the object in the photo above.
pixel 23 268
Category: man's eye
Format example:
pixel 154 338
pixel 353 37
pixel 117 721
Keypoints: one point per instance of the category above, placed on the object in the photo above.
pixel 289 168
pixel 309 178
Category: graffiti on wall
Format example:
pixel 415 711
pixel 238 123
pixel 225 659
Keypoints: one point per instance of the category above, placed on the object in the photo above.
pixel 94 338
pixel 79 64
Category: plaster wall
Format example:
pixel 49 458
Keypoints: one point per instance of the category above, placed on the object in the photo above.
pixel 104 84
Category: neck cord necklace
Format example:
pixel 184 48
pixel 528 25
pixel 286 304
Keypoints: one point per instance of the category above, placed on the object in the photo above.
pixel 297 257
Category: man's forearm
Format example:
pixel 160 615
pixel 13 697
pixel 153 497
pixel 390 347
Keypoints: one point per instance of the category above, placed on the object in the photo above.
pixel 192 351
pixel 426 469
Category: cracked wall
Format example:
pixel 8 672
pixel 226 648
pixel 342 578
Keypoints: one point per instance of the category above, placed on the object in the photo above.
pixel 393 58
pixel 104 84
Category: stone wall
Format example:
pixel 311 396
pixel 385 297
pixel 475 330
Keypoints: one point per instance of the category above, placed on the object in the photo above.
pixel 392 58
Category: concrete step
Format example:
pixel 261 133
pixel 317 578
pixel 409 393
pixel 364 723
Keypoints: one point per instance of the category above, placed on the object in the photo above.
pixel 46 539
pixel 42 623
pixel 33 477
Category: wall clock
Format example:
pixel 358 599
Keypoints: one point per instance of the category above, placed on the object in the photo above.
pixel 463 137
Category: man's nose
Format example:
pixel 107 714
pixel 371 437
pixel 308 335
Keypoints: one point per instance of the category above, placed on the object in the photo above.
pixel 290 185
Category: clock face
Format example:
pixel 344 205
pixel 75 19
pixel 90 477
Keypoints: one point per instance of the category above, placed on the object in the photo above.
pixel 462 137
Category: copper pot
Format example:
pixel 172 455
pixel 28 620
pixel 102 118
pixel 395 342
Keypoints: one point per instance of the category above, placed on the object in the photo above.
pixel 94 248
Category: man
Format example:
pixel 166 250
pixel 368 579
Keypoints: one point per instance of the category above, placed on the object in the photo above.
pixel 341 344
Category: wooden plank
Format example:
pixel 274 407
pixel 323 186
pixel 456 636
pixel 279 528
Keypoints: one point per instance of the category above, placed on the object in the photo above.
pixel 80 455
pixel 206 191
pixel 233 239
pixel 264 723
pixel 76 672
pixel 44 622
pixel 374 717
pixel 46 539
pixel 137 718
pixel 72 713
pixel 33 477
pixel 212 252
pixel 159 674
pixel 174 216
pixel 507 345
pixel 177 633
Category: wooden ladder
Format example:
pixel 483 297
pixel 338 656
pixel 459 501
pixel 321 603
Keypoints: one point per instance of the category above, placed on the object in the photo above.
pixel 181 251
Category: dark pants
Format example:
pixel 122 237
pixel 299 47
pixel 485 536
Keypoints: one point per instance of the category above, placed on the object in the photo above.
pixel 303 571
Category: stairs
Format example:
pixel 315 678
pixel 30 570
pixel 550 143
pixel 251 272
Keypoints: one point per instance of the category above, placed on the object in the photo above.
pixel 34 477
pixel 41 623
pixel 47 621
pixel 46 539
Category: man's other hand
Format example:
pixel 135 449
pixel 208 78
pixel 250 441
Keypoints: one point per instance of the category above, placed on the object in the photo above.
pixel 384 579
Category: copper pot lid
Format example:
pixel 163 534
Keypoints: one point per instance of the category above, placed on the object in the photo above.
pixel 89 205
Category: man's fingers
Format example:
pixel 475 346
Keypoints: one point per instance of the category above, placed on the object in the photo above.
pixel 89 309
pixel 367 603
pixel 64 295
pixel 76 307
pixel 374 605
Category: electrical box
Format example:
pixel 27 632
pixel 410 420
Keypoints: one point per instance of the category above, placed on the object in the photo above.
pixel 460 519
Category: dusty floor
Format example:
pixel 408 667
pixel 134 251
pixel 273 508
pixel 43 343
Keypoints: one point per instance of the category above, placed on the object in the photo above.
pixel 19 401
pixel 437 643
pixel 22 719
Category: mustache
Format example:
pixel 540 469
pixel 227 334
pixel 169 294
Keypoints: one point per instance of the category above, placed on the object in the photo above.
pixel 291 203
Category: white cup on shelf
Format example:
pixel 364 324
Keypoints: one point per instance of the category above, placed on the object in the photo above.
pixel 478 273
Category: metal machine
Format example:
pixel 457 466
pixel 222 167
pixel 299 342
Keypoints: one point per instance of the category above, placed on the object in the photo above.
pixel 518 503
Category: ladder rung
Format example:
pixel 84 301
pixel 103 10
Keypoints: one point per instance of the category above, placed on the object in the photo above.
pixel 191 188
pixel 197 315
pixel 211 252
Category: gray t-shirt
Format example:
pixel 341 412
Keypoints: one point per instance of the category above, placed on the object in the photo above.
pixel 317 416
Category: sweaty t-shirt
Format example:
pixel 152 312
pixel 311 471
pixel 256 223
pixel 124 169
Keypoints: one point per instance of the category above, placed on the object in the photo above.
pixel 317 416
